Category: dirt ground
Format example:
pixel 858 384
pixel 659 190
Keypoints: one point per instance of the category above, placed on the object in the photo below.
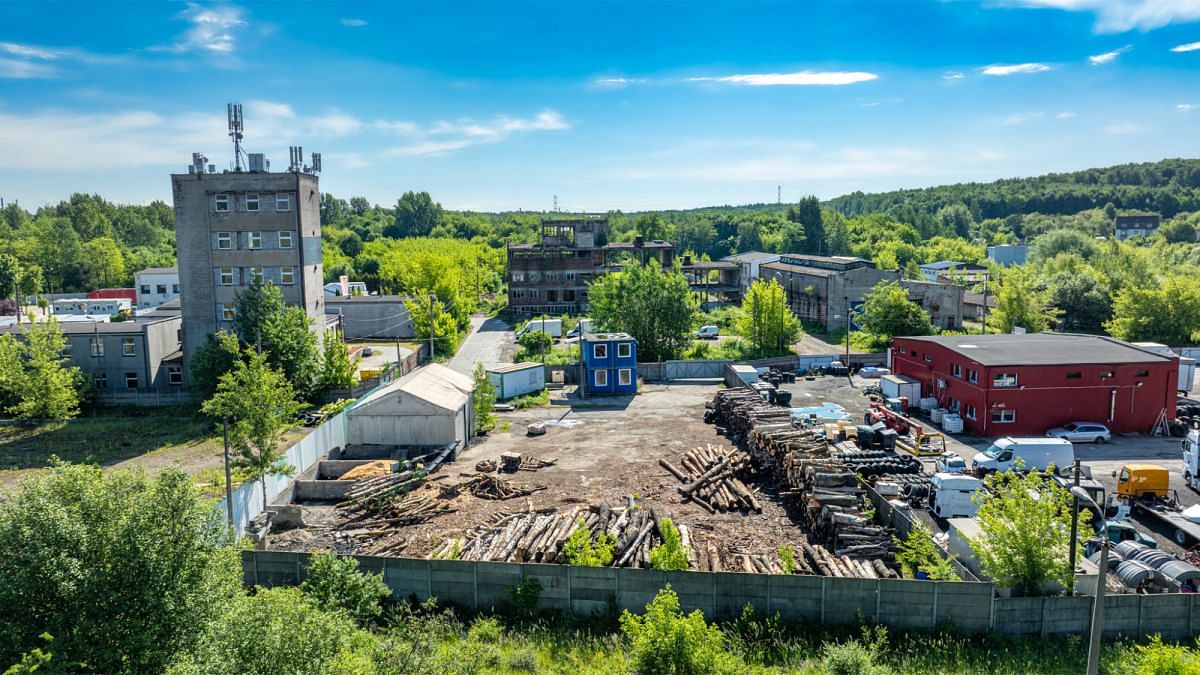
pixel 602 456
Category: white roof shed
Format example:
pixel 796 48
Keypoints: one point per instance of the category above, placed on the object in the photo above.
pixel 432 405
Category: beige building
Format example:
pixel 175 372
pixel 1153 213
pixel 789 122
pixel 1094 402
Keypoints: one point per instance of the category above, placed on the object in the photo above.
pixel 236 228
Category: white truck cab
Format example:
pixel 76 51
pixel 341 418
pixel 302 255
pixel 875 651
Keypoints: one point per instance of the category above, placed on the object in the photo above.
pixel 1030 453
pixel 951 495
pixel 1191 459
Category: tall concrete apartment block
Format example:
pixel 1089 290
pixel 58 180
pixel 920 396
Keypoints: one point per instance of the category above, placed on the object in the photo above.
pixel 234 228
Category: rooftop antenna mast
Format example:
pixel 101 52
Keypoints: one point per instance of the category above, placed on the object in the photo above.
pixel 556 203
pixel 778 194
pixel 234 111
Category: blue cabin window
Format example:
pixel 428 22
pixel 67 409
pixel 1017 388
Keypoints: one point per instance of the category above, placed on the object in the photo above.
pixel 601 376
pixel 624 349
pixel 600 351
pixel 624 376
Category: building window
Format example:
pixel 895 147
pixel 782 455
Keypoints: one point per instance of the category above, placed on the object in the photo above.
pixel 174 288
pixel 97 346
pixel 252 201
pixel 174 375
pixel 601 378
pixel 956 370
pixel 67 349
pixel 928 358
pixel 145 289
pixel 1004 416
pixel 100 380
pixel 224 241
pixel 624 376
pixel 285 239
pixel 128 348
pixel 161 289
pixel 1075 375
pixel 1105 374
pixel 131 380
pixel 624 350
pixel 972 376
pixel 600 351
pixel 226 276
pixel 256 275
pixel 283 201
pixel 227 311
pixel 287 275
pixel 955 405
pixel 254 240
pixel 222 203
pixel 1004 380
pixel 970 414
pixel 1142 373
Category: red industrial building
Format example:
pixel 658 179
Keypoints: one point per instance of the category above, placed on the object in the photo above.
pixel 1006 385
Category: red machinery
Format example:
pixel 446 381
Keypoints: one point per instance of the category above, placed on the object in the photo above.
pixel 879 412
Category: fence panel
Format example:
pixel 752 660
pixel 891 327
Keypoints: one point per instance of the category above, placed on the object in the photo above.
pixel 1018 616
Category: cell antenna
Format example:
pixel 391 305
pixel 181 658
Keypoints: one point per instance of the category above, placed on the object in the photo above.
pixel 234 111
pixel 316 162
pixel 778 194
pixel 555 203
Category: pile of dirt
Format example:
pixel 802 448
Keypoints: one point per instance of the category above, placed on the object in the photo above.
pixel 375 469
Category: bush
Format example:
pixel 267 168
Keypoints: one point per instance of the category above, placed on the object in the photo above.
pixel 787 559
pixel 525 595
pixel 334 583
pixel 856 657
pixel 664 640
pixel 1159 658
pixel 669 555
pixel 579 549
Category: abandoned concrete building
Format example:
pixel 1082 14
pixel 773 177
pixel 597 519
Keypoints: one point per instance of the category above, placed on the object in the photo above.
pixel 552 276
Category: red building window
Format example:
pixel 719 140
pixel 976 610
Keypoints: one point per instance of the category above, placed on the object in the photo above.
pixel 1004 416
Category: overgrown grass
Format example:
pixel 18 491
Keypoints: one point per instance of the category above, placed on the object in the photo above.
pixel 102 441
pixel 860 340
pixel 537 398
pixel 737 349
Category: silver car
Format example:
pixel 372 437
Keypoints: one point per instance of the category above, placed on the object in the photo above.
pixel 1082 432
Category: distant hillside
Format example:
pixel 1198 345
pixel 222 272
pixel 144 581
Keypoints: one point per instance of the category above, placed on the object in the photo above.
pixel 1166 187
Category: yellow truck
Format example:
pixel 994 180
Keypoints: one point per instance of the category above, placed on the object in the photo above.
pixel 1145 490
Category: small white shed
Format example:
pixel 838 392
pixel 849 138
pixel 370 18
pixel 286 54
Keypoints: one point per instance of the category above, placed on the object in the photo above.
pixel 432 405
pixel 895 386
pixel 517 379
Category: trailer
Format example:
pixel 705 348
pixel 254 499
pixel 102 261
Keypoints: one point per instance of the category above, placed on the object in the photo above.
pixel 1184 531
pixel 517 379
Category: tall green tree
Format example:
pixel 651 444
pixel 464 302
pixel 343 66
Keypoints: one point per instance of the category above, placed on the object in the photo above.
pixel 426 317
pixel 284 334
pixel 807 213
pixel 1082 298
pixel 103 262
pixel 213 359
pixel 1022 302
pixel 1169 314
pixel 1025 525
pixel 887 312
pixel 35 378
pixel 485 399
pixel 652 226
pixel 653 305
pixel 416 216
pixel 337 370
pixel 262 405
pixel 10 277
pixel 121 569
pixel 766 321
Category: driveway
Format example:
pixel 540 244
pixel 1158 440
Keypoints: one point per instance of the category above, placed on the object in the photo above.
pixel 383 354
pixel 488 343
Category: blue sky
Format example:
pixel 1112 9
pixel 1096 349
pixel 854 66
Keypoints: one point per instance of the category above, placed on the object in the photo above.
pixel 497 106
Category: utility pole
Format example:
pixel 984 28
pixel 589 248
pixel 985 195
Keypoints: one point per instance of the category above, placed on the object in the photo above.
pixel 431 324
pixel 1093 666
pixel 1075 527
pixel 228 478
pixel 847 364
pixel 757 337
pixel 983 331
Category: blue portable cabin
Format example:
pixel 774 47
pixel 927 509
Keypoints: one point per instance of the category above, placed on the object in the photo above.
pixel 610 360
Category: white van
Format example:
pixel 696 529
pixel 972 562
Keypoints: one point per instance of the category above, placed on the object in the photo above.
pixel 950 495
pixel 1034 452
pixel 707 333
pixel 551 327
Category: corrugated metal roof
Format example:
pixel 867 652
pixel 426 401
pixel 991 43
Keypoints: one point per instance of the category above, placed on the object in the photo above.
pixel 514 367
pixel 435 384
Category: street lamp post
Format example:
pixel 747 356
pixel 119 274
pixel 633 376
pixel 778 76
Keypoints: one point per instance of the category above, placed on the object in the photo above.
pixel 1074 522
pixel 1093 666
pixel 228 476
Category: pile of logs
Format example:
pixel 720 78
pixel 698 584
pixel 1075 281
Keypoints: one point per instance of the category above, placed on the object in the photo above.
pixel 486 486
pixel 710 479
pixel 538 536
pixel 535 463
pixel 401 509
pixel 740 410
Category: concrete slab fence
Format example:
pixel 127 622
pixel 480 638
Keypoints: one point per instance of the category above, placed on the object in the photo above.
pixel 898 603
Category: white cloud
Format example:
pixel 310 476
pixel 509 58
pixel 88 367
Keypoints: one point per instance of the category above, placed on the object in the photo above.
pixel 953 75
pixel 1123 128
pixel 1021 118
pixel 29 51
pixel 1189 47
pixel 1107 57
pixel 214 28
pixel 1064 115
pixel 617 82
pixel 354 23
pixel 1014 69
pixel 1118 16
pixel 801 78
pixel 17 69
pixel 446 136
pixel 1185 107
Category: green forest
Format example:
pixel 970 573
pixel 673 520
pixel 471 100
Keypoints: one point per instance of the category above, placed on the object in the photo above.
pixel 1077 278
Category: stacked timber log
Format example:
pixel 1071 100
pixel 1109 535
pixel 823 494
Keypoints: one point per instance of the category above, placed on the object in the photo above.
pixel 486 486
pixel 739 410
pixel 535 463
pixel 539 536
pixel 710 477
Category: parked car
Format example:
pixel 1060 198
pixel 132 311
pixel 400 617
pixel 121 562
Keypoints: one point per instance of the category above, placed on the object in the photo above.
pixel 368 351
pixel 1082 432
pixel 950 463
pixel 707 333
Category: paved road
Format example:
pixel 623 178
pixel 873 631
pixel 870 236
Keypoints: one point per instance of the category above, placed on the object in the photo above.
pixel 382 355
pixel 488 342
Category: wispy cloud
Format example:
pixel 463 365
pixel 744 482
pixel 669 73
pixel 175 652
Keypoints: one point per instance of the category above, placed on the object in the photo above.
pixel 801 78
pixel 354 23
pixel 1107 57
pixel 1064 115
pixel 1015 69
pixel 617 82
pixel 1185 107
pixel 279 121
pixel 447 136
pixel 1189 47
pixel 17 69
pixel 1021 118
pixel 953 75
pixel 214 29
pixel 30 51
pixel 1123 128
pixel 1119 16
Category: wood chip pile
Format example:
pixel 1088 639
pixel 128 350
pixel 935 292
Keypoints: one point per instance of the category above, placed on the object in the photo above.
pixel 710 477
pixel 850 544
